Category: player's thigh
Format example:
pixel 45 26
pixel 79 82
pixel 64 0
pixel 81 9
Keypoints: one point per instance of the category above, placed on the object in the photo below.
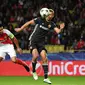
pixel 11 51
pixel 2 53
pixel 33 49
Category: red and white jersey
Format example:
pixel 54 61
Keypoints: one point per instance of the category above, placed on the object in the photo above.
pixel 5 37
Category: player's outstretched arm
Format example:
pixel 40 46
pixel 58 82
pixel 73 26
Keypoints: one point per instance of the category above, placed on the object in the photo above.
pixel 24 26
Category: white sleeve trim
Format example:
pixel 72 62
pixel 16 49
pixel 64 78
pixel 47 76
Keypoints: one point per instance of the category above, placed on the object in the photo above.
pixel 8 33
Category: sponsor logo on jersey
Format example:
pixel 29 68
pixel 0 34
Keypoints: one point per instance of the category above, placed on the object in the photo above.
pixel 45 28
pixel 49 26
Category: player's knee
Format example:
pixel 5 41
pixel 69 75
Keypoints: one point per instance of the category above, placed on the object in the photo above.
pixel 36 56
pixel 13 60
pixel 34 59
pixel 45 60
pixel 1 59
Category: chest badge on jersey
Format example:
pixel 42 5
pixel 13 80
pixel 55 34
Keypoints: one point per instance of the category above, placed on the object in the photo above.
pixel 49 26
pixel 5 37
pixel 42 23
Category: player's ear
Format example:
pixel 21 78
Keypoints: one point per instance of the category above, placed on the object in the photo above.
pixel 1 27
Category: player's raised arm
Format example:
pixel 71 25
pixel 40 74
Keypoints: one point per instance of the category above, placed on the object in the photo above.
pixel 19 50
pixel 14 40
pixel 24 26
pixel 58 30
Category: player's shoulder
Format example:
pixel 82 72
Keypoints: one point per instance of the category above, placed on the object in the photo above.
pixel 53 23
pixel 37 18
pixel 6 31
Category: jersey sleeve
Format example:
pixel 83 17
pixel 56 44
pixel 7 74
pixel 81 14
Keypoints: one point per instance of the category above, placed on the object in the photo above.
pixel 9 33
pixel 36 20
pixel 53 25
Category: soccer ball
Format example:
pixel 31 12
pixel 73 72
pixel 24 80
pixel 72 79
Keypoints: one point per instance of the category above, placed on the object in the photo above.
pixel 44 12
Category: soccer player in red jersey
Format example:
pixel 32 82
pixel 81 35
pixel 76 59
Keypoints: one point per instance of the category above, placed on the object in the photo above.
pixel 6 46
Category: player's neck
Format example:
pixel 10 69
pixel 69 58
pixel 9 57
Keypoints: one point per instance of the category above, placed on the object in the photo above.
pixel 47 20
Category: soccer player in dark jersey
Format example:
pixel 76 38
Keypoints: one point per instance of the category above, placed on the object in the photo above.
pixel 37 40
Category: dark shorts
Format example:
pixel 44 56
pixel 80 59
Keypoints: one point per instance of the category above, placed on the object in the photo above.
pixel 38 45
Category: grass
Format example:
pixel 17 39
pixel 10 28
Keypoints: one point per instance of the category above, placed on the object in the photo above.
pixel 56 80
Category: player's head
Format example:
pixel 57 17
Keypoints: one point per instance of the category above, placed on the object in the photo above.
pixel 51 15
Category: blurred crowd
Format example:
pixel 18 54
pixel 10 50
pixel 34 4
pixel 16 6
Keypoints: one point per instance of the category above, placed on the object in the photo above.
pixel 14 13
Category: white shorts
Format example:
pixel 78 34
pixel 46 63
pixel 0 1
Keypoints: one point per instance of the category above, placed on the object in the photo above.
pixel 7 49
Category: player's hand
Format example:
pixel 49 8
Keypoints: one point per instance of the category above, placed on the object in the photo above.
pixel 19 50
pixel 17 29
pixel 62 25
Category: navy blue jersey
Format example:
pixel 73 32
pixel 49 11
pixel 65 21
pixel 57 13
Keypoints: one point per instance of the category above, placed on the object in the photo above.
pixel 41 29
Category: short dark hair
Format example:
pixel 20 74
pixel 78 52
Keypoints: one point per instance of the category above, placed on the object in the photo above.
pixel 1 25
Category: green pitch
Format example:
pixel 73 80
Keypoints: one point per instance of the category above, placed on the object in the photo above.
pixel 56 80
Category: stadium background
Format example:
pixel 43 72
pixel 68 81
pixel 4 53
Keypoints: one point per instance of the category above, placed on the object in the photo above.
pixel 66 54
